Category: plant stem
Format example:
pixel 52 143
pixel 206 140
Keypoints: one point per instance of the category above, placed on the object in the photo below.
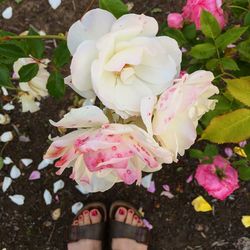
pixel 59 37
pixel 238 7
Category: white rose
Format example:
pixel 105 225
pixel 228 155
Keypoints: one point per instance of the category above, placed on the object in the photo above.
pixel 176 114
pixel 121 61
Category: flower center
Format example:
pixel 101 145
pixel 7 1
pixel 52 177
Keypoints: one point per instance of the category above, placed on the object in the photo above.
pixel 220 173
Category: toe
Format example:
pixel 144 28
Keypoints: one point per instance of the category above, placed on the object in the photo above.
pixel 140 223
pixel 86 217
pixel 135 220
pixel 80 220
pixel 95 216
pixel 75 223
pixel 121 214
pixel 130 215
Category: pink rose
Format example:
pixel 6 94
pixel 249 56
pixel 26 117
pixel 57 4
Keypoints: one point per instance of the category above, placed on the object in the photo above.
pixel 219 178
pixel 175 20
pixel 193 9
pixel 103 153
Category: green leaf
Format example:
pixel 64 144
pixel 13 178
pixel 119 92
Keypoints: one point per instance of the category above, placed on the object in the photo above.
pixel 209 25
pixel 28 72
pixel 55 85
pixel 116 7
pixel 247 150
pixel 1 162
pixel 244 173
pixel 61 54
pixel 212 64
pixel 222 106
pixel 203 51
pixel 189 31
pixel 232 127
pixel 196 153
pixel 173 33
pixel 36 46
pixel 211 150
pixel 247 19
pixel 230 36
pixel 244 50
pixel 240 89
pixel 5 77
pixel 11 51
pixel 228 64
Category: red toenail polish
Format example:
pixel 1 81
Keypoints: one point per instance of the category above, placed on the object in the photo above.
pixel 86 212
pixel 94 212
pixel 136 218
pixel 121 211
pixel 130 211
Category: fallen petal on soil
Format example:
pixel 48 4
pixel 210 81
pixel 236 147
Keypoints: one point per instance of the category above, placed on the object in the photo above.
pixel 201 205
pixel 17 198
pixel 6 183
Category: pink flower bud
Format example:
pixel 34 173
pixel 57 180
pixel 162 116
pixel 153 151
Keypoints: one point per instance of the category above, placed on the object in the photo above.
pixel 175 21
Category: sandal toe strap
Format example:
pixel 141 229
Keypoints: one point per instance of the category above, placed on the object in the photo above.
pixel 91 232
pixel 123 230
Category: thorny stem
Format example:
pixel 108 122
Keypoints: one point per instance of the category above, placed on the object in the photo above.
pixel 59 37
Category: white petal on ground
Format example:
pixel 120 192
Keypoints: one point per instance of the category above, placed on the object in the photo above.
pixel 55 3
pixel 6 136
pixel 6 183
pixel 5 91
pixel 58 185
pixel 47 197
pixel 17 198
pixel 15 172
pixel 24 138
pixel 4 119
pixel 56 214
pixel 26 161
pixel 76 207
pixel 146 180
pixel 7 160
pixel 7 13
pixel 8 107
pixel 44 163
pixel 81 189
pixel 35 175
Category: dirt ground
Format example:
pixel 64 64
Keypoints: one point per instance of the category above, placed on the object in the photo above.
pixel 176 224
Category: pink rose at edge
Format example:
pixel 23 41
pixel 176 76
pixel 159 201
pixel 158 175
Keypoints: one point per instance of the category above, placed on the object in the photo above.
pixel 175 20
pixel 193 9
pixel 219 178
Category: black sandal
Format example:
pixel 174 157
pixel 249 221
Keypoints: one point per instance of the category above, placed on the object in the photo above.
pixel 91 231
pixel 122 230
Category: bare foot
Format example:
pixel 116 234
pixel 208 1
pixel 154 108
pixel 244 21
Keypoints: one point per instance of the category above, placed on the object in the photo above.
pixel 85 218
pixel 127 216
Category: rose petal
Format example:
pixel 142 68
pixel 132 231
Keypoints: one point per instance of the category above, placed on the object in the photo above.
pixel 6 136
pixel 7 13
pixel 166 187
pixel 246 220
pixel 7 160
pixel 44 163
pixel 167 194
pixel 8 107
pixel 26 162
pixel 152 188
pixel 15 172
pixel 76 207
pixel 55 3
pixel 35 175
pixel 17 198
pixel 147 224
pixel 58 185
pixel 146 180
pixel 190 178
pixel 6 183
pixel 201 205
pixel 47 197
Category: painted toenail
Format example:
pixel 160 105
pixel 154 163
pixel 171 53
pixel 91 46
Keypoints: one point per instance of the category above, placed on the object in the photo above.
pixel 121 211
pixel 94 213
pixel 130 211
pixel 86 212
pixel 80 217
pixel 136 218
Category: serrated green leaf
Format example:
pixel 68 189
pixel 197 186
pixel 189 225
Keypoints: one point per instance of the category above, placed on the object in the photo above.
pixel 11 51
pixel 28 72
pixel 173 33
pixel 196 153
pixel 61 54
pixel 230 36
pixel 244 173
pixel 232 127
pixel 240 89
pixel 5 77
pixel 55 85
pixel 36 46
pixel 209 25
pixel 212 64
pixel 244 50
pixel 116 7
pixel 228 64
pixel 203 51
pixel 189 31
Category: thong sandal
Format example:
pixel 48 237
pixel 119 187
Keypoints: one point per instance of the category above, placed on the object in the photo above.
pixel 122 230
pixel 90 231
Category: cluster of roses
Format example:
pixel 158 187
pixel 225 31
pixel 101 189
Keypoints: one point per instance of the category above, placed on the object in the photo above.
pixel 192 11
pixel 150 115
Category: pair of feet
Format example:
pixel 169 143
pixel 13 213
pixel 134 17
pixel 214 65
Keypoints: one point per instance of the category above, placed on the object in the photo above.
pixel 94 216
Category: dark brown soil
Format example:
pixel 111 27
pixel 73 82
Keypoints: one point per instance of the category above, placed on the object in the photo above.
pixel 176 225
